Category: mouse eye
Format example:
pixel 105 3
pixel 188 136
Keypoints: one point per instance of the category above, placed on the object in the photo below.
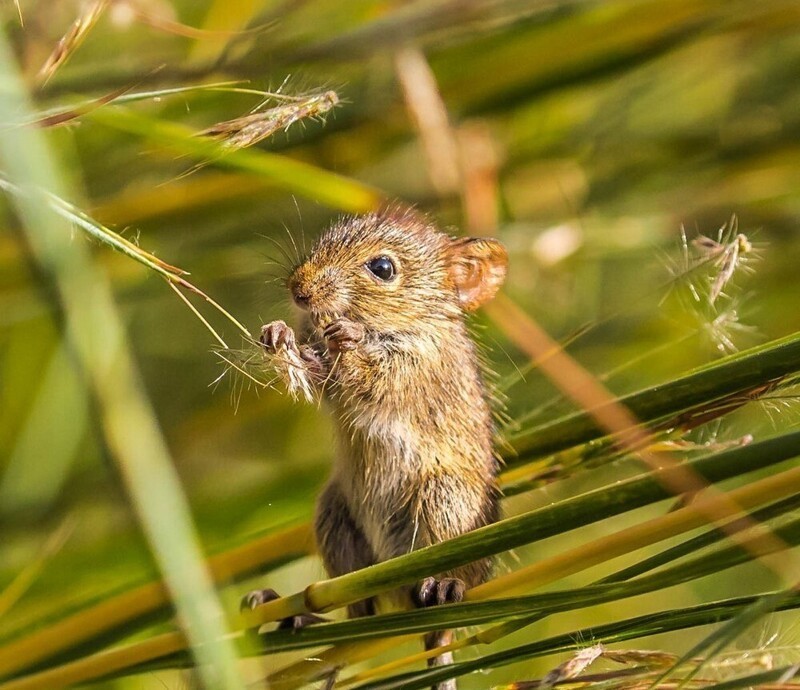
pixel 381 267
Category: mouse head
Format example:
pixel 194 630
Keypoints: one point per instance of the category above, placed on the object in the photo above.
pixel 394 271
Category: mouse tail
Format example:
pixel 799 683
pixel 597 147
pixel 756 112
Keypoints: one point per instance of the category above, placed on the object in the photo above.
pixel 436 639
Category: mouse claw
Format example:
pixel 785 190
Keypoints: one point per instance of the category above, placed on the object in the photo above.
pixel 257 597
pixel 276 335
pixel 301 621
pixel 433 592
pixel 343 335
pixel 253 599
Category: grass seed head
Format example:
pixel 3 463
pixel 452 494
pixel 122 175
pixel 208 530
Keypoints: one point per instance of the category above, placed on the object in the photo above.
pixel 72 40
pixel 262 122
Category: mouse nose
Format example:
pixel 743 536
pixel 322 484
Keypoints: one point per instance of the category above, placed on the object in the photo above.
pixel 300 296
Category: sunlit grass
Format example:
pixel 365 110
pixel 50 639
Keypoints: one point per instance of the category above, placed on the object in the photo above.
pixel 607 126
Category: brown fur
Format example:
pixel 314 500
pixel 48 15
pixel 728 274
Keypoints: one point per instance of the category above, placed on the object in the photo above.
pixel 415 464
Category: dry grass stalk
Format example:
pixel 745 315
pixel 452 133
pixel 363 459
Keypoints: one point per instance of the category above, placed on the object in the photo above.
pixel 429 114
pixel 66 116
pixel 16 589
pixel 480 169
pixel 132 10
pixel 261 123
pixel 72 40
pixel 583 388
pixel 641 657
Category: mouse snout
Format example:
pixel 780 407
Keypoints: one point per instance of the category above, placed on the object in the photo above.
pixel 300 296
pixel 316 291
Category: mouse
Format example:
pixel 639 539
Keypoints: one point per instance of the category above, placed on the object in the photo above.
pixel 384 339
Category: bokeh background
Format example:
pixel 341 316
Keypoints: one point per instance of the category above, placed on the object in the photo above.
pixel 591 131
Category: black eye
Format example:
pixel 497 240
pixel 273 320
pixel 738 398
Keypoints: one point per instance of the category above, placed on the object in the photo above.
pixel 381 267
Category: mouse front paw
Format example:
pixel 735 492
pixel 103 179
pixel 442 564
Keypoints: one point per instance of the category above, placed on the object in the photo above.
pixel 343 335
pixel 276 335
pixel 432 592
pixel 261 596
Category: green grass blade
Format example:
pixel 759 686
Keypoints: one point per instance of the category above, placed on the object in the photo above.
pixel 530 527
pixel 126 612
pixel 708 538
pixel 620 631
pixel 96 335
pixel 734 374
pixel 452 616
pixel 607 590
pixel 754 680
pixel 713 536
pixel 464 614
pixel 729 462
pixel 289 174
pixel 113 616
pixel 719 639
pixel 474 613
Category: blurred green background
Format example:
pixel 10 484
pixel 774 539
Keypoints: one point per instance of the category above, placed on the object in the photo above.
pixel 602 128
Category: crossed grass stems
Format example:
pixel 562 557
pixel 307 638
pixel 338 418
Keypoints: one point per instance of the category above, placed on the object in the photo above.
pixel 707 274
pixel 583 510
pixel 520 476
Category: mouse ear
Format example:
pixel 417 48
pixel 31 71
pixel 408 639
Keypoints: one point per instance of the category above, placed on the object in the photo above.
pixel 477 267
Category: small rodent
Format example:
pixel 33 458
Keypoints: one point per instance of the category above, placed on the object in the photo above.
pixel 384 297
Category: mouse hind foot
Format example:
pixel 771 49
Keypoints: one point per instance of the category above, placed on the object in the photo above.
pixel 261 596
pixel 434 592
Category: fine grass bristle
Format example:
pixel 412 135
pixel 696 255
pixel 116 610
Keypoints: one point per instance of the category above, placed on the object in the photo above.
pixel 174 276
pixel 244 369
